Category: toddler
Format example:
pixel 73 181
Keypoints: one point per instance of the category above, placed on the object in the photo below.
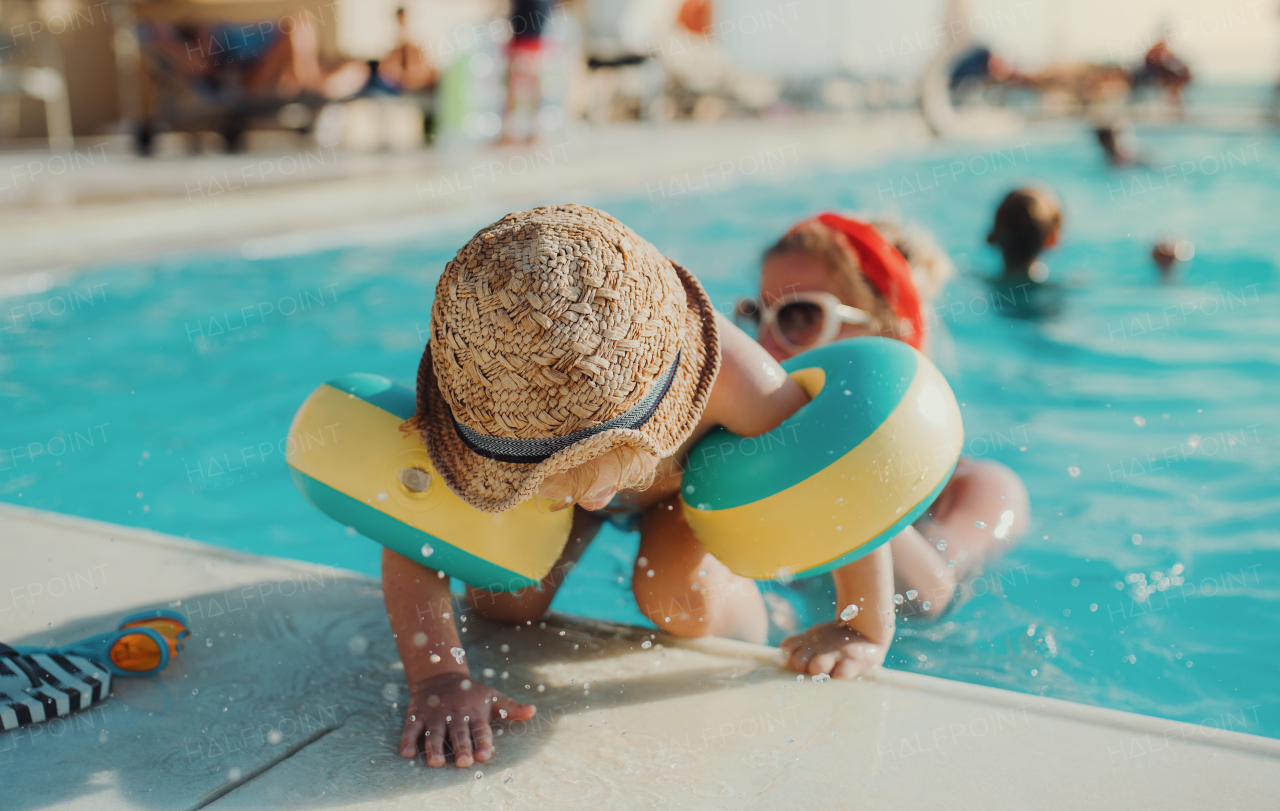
pixel 569 360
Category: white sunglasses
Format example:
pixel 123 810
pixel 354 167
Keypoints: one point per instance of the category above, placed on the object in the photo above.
pixel 801 321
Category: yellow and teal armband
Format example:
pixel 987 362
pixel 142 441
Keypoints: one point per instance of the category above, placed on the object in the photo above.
pixel 349 458
pixel 871 451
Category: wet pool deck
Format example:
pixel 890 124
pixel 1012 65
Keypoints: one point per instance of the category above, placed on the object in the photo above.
pixel 286 698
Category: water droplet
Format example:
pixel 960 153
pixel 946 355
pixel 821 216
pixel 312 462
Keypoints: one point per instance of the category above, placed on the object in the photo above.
pixel 912 594
pixel 195 691
pixel 925 605
pixel 1074 470
pixel 382 497
pixel 479 775
pixel 980 524
pixel 942 546
pixel 642 561
pixel 208 643
pixel 1137 539
pixel 508 776
pixel 702 573
pixel 1075 581
pixel 427 551
pixel 233 774
pixel 420 639
pixel 897 599
pixel 849 612
pixel 502 713
pixel 1093 606
pixel 821 678
pixel 357 645
pixel 649 573
pixel 1139 421
pixel 458 654
pixel 504 647
pixel 488 672
pixel 274 737
pixel 435 657
pixel 784 576
pixel 646 644
pixel 790 740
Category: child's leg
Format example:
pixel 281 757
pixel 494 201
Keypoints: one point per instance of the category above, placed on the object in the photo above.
pixel 686 591
pixel 532 603
pixel 982 512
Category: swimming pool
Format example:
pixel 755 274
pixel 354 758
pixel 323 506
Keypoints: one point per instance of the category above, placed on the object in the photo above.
pixel 1142 417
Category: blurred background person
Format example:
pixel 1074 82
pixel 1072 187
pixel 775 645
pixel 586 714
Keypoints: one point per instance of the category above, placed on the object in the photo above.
pixel 528 19
pixel 1168 255
pixel 1119 143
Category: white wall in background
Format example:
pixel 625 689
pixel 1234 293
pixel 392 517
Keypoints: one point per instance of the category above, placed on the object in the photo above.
pixel 1223 40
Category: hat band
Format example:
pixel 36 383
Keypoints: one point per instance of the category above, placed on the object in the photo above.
pixel 532 451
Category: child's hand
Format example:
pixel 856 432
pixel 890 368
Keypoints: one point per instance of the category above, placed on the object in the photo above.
pixel 453 704
pixel 833 648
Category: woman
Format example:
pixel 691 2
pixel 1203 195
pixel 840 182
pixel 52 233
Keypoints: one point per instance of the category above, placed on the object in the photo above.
pixel 834 277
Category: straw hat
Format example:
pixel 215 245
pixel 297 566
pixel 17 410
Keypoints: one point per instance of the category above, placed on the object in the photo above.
pixel 557 335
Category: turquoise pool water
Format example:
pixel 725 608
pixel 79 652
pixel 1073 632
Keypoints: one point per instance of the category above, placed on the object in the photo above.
pixel 1142 416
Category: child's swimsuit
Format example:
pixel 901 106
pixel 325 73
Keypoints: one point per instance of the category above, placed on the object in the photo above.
pixel 624 517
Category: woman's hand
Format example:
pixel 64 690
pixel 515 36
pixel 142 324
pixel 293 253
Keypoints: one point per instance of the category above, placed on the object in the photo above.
pixel 454 705
pixel 833 648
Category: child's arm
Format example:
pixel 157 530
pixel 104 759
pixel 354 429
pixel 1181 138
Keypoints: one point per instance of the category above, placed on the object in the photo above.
pixel 752 394
pixel 846 649
pixel 442 697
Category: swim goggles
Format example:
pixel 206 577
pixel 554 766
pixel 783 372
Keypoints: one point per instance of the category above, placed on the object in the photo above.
pixel 172 625
pixel 800 321
pixel 142 645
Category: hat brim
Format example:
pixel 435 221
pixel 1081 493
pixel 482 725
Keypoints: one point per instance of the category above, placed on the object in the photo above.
pixel 493 486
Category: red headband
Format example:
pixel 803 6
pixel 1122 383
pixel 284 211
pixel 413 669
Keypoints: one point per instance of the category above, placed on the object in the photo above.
pixel 884 266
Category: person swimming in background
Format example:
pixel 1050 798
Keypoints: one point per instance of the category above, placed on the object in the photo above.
pixel 1120 144
pixel 834 277
pixel 1027 223
pixel 1168 253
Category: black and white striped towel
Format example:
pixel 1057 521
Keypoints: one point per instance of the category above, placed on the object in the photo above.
pixel 67 684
